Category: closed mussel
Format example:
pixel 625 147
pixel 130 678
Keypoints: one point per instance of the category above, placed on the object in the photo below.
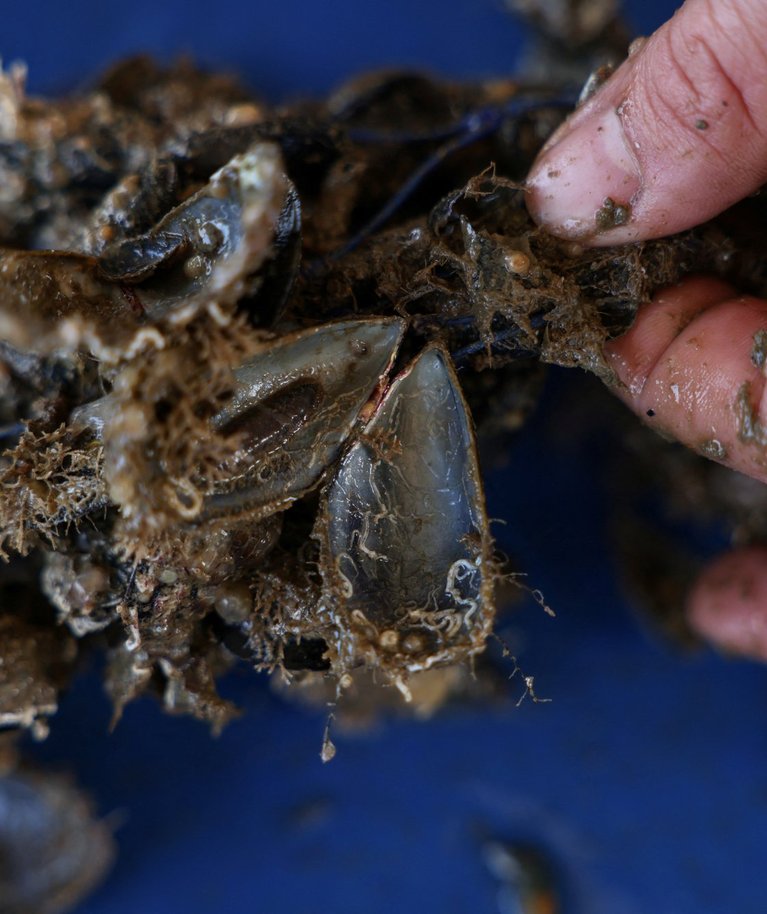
pixel 406 549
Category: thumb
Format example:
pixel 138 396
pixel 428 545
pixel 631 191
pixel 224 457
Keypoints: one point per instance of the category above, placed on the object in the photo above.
pixel 676 135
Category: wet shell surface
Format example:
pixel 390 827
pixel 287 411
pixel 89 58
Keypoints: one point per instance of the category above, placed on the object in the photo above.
pixel 198 257
pixel 404 531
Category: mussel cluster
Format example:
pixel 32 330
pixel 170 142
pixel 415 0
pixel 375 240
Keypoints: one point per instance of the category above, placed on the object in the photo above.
pixel 232 338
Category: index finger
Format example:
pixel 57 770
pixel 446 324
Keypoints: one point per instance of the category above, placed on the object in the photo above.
pixel 693 366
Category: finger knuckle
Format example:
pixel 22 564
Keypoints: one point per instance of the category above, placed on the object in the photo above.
pixel 705 86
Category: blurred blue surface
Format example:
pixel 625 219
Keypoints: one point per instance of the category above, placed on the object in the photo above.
pixel 283 47
pixel 645 777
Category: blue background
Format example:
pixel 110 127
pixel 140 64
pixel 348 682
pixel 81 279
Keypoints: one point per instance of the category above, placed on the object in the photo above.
pixel 644 778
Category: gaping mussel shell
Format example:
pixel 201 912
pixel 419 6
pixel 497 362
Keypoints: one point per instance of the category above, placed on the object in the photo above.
pixel 52 852
pixel 201 255
pixel 205 248
pixel 296 403
pixel 406 550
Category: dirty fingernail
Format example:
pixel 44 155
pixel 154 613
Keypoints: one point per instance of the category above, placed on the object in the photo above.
pixel 585 184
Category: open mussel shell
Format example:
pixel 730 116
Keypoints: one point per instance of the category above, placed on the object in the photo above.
pixel 201 255
pixel 133 206
pixel 406 550
pixel 294 405
pixel 204 249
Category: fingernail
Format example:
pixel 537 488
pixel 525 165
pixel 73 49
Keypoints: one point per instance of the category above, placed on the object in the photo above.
pixel 587 182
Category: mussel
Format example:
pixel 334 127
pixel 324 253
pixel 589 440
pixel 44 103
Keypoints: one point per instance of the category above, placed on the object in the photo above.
pixel 407 559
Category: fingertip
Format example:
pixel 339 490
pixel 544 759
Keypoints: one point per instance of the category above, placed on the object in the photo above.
pixel 727 605
pixel 582 187
pixel 676 135
pixel 692 368
pixel 658 323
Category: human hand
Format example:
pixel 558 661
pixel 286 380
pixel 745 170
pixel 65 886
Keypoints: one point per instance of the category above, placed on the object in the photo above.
pixel 676 135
